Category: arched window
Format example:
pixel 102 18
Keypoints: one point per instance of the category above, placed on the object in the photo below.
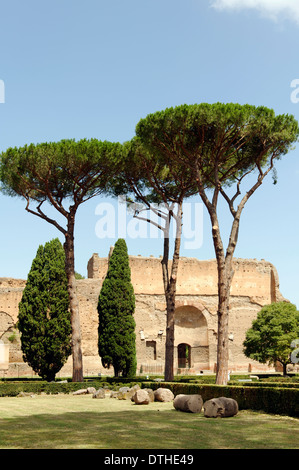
pixel 191 338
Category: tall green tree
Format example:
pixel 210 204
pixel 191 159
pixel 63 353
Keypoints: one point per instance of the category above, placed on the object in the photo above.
pixel 223 145
pixel 44 319
pixel 270 338
pixel 60 175
pixel 116 306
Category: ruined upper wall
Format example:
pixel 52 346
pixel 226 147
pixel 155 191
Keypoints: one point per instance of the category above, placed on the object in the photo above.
pixel 255 279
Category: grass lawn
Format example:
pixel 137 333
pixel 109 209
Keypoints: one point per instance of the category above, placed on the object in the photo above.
pixel 81 422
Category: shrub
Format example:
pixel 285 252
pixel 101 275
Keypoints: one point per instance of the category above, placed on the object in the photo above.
pixel 44 316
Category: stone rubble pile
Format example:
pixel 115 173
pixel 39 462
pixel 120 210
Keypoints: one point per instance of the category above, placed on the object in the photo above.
pixel 135 394
pixel 216 407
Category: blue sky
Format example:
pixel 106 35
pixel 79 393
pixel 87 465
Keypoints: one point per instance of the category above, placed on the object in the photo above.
pixel 75 69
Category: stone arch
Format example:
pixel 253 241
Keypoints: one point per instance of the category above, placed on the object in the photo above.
pixel 191 329
pixel 6 323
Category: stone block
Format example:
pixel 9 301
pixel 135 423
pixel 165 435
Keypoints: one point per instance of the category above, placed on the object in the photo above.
pixel 163 394
pixel 220 407
pixel 188 403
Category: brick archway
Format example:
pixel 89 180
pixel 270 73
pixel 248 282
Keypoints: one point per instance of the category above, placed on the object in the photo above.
pixel 6 323
pixel 191 329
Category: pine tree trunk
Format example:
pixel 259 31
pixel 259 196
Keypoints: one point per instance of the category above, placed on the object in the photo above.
pixel 74 304
pixel 225 259
pixel 170 284
pixel 169 346
pixel 225 275
pixel 224 284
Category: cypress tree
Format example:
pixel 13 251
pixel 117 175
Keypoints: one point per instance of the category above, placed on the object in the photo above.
pixel 44 317
pixel 116 306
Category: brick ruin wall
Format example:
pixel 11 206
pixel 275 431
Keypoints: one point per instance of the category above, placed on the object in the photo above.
pixel 255 283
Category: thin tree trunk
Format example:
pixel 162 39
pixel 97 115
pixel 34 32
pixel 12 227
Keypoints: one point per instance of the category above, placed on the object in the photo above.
pixel 169 346
pixel 224 285
pixel 224 264
pixel 170 283
pixel 74 304
pixel 225 275
pixel 169 342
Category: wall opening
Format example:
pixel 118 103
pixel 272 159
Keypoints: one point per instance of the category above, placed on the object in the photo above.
pixel 184 356
pixel 6 323
pixel 191 338
pixel 151 350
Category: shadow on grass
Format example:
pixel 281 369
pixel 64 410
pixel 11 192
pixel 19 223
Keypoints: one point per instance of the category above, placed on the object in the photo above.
pixel 127 430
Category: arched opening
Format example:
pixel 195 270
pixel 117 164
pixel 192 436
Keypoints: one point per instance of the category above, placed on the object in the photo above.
pixel 6 323
pixel 191 339
pixel 184 356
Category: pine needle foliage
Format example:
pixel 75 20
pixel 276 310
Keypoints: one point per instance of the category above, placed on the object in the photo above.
pixel 116 306
pixel 44 317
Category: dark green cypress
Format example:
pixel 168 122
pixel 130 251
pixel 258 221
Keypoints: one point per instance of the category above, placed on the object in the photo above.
pixel 116 306
pixel 44 317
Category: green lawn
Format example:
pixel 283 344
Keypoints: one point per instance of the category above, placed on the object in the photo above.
pixel 81 422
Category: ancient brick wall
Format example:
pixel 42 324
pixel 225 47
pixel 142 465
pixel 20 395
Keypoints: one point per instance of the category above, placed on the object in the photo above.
pixel 255 284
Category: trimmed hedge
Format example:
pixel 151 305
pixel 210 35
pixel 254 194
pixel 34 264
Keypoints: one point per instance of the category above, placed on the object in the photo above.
pixel 282 400
pixel 277 400
pixel 258 383
pixel 10 389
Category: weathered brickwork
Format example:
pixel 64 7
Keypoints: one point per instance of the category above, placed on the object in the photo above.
pixel 255 284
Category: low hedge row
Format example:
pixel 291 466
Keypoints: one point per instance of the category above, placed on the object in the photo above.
pixel 277 400
pixel 270 399
pixel 10 389
pixel 258 383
